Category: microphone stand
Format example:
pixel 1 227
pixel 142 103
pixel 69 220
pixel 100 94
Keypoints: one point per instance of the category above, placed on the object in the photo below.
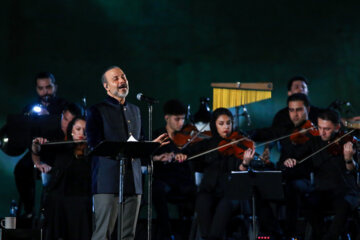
pixel 150 174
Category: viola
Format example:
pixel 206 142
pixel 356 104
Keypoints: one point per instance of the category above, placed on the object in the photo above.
pixel 188 135
pixel 299 136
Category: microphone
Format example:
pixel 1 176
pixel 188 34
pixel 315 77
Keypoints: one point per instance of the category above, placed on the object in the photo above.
pixel 246 115
pixel 144 98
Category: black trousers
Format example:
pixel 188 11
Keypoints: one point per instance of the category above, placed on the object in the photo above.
pixel 295 193
pixel 320 203
pixel 214 213
pixel 181 192
pixel 25 182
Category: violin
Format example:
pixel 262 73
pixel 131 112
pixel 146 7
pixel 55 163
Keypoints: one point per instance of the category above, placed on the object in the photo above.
pixel 239 148
pixel 299 136
pixel 337 147
pixel 80 150
pixel 188 135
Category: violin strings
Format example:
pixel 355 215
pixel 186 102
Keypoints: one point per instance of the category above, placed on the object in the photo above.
pixel 217 148
pixel 321 149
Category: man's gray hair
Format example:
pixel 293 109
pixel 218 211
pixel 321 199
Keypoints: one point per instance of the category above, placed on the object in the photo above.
pixel 103 78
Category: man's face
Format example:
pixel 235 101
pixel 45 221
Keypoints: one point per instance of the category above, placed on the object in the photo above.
pixel 45 88
pixel 66 117
pixel 298 112
pixel 116 84
pixel 175 122
pixel 298 86
pixel 327 129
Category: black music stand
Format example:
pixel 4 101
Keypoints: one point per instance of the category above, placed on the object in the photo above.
pixel 243 185
pixel 122 151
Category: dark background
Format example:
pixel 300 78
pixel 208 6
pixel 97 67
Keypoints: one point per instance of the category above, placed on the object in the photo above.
pixel 175 49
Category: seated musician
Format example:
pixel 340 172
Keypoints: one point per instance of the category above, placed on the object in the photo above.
pixel 68 204
pixel 299 84
pixel 173 182
pixel 57 132
pixel 334 174
pixel 214 209
pixel 296 84
pixel 297 180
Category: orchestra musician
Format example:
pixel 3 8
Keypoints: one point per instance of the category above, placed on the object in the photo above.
pixel 297 180
pixel 55 133
pixel 214 209
pixel 173 181
pixel 46 90
pixel 334 176
pixel 296 84
pixel 45 87
pixel 299 84
pixel 68 204
pixel 115 119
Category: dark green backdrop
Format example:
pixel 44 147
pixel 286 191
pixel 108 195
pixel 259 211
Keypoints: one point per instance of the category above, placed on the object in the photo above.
pixel 175 49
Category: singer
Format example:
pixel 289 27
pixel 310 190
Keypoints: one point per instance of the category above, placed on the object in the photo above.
pixel 115 119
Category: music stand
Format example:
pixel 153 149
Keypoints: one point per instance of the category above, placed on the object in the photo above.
pixel 123 151
pixel 242 185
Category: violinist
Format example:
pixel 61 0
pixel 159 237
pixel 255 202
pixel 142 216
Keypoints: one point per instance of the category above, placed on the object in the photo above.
pixel 55 133
pixel 334 176
pixel 172 180
pixel 297 180
pixel 68 204
pixel 299 84
pixel 296 84
pixel 214 209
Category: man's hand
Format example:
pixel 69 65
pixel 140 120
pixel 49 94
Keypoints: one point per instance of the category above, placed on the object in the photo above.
pixel 180 157
pixel 349 151
pixel 163 139
pixel 43 167
pixel 35 147
pixel 290 163
pixel 165 157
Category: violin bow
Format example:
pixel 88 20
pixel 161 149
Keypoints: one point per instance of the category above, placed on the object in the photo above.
pixel 282 137
pixel 321 149
pixel 63 142
pixel 217 148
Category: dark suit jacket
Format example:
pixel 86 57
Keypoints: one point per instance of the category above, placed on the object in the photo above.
pixel 112 121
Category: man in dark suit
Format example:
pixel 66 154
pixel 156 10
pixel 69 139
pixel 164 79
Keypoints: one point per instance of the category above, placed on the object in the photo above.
pixel 115 119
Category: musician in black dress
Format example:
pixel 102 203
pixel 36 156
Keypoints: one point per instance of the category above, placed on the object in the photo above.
pixel 68 204
pixel 214 209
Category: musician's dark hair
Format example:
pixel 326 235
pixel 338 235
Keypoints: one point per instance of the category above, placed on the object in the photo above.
pixel 71 125
pixel 297 78
pixel 103 78
pixel 299 97
pixel 329 115
pixel 45 75
pixel 174 107
pixel 215 115
pixel 73 109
